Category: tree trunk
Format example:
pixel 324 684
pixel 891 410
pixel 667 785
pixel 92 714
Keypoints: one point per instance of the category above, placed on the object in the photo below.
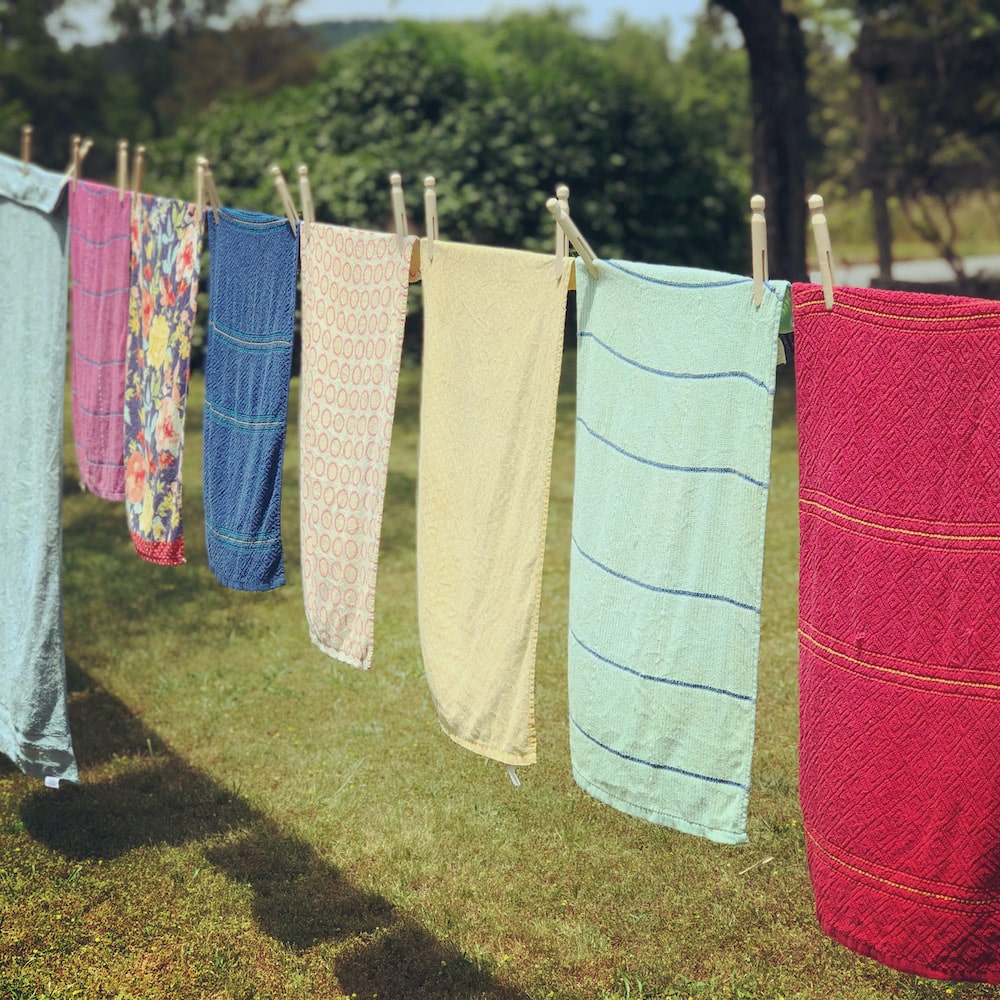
pixel 875 172
pixel 777 51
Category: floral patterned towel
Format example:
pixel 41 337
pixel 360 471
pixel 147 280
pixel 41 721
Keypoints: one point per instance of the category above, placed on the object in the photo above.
pixel 166 242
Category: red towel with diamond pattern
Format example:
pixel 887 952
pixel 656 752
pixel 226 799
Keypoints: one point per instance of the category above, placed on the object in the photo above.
pixel 899 617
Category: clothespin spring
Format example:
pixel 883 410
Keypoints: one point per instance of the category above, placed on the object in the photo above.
pixel 583 248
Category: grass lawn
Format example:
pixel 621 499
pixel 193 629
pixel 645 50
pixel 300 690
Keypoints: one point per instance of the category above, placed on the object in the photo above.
pixel 256 820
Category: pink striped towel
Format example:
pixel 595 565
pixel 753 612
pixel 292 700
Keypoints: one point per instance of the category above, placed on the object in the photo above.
pixel 99 262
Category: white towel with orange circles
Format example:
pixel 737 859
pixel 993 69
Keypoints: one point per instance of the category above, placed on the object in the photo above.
pixel 354 290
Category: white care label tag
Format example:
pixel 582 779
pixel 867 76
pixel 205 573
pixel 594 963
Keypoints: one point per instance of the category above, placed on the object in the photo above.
pixel 51 782
pixel 514 779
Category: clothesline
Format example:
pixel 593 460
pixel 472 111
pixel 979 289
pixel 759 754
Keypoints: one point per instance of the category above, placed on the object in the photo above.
pixel 900 522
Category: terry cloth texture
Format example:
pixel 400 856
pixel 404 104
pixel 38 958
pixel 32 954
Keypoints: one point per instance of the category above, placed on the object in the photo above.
pixel 251 317
pixel 100 266
pixel 899 636
pixel 354 290
pixel 34 727
pixel 675 391
pixel 166 246
pixel 493 327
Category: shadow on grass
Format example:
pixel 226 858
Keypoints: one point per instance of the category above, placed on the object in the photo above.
pixel 152 798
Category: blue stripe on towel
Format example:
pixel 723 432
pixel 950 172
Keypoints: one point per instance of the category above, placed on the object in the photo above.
pixel 656 766
pixel 245 420
pixel 664 590
pixel 99 413
pixel 227 539
pixel 777 292
pixel 98 364
pixel 98 243
pixel 659 680
pixel 721 469
pixel 94 461
pixel 100 295
pixel 255 344
pixel 672 374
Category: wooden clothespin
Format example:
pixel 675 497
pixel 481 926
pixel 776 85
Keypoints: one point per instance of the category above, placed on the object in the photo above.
pixel 430 213
pixel 73 170
pixel 199 190
pixel 287 205
pixel 583 248
pixel 562 240
pixel 212 191
pixel 26 133
pixel 79 154
pixel 758 246
pixel 138 168
pixel 206 188
pixel 122 169
pixel 399 208
pixel 305 195
pixel 823 250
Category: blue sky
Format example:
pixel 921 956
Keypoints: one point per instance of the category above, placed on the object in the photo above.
pixel 597 15
pixel 89 16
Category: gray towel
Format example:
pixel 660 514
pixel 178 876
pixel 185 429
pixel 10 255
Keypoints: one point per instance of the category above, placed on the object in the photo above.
pixel 34 727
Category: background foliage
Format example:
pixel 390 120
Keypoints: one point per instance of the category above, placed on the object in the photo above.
pixel 499 114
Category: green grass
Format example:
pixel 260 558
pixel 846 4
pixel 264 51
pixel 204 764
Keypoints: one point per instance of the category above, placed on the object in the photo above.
pixel 257 821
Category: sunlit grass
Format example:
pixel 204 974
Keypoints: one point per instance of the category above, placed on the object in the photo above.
pixel 258 821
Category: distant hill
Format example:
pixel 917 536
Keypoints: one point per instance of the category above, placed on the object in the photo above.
pixel 326 35
pixel 323 36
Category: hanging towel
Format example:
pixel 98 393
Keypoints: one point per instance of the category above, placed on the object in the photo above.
pixel 493 327
pixel 166 246
pixel 251 317
pixel 354 290
pixel 100 265
pixel 34 726
pixel 675 390
pixel 899 630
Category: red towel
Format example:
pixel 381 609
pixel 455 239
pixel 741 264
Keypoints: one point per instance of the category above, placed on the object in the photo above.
pixel 899 615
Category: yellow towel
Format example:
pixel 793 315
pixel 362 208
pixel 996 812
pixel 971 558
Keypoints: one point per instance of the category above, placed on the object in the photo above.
pixel 493 327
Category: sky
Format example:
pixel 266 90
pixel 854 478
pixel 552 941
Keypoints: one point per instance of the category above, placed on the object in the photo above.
pixel 597 17
pixel 89 16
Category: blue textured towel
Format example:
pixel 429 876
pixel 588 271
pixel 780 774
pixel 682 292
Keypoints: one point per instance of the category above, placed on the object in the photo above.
pixel 34 727
pixel 251 315
pixel 675 389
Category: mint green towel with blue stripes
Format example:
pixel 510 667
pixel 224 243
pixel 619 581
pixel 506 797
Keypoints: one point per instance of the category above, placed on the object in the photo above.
pixel 675 392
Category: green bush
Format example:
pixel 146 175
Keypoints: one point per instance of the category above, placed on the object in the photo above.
pixel 499 113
